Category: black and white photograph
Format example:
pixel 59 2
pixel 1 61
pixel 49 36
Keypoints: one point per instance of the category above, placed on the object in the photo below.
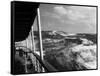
pixel 53 37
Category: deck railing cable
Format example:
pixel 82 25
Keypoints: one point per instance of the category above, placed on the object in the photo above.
pixel 45 64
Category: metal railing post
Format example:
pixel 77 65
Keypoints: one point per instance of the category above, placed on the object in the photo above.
pixel 26 71
pixel 33 45
pixel 40 36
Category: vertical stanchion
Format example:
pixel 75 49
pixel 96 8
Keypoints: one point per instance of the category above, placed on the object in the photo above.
pixel 33 41
pixel 40 36
pixel 33 46
pixel 30 40
pixel 26 71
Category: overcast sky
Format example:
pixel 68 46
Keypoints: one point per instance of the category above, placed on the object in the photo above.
pixel 71 19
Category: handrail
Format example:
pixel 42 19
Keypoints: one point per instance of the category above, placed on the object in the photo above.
pixel 46 65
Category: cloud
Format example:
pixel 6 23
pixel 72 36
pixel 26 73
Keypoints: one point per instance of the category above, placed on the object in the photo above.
pixel 60 10
pixel 70 17
pixel 76 15
pixel 71 12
